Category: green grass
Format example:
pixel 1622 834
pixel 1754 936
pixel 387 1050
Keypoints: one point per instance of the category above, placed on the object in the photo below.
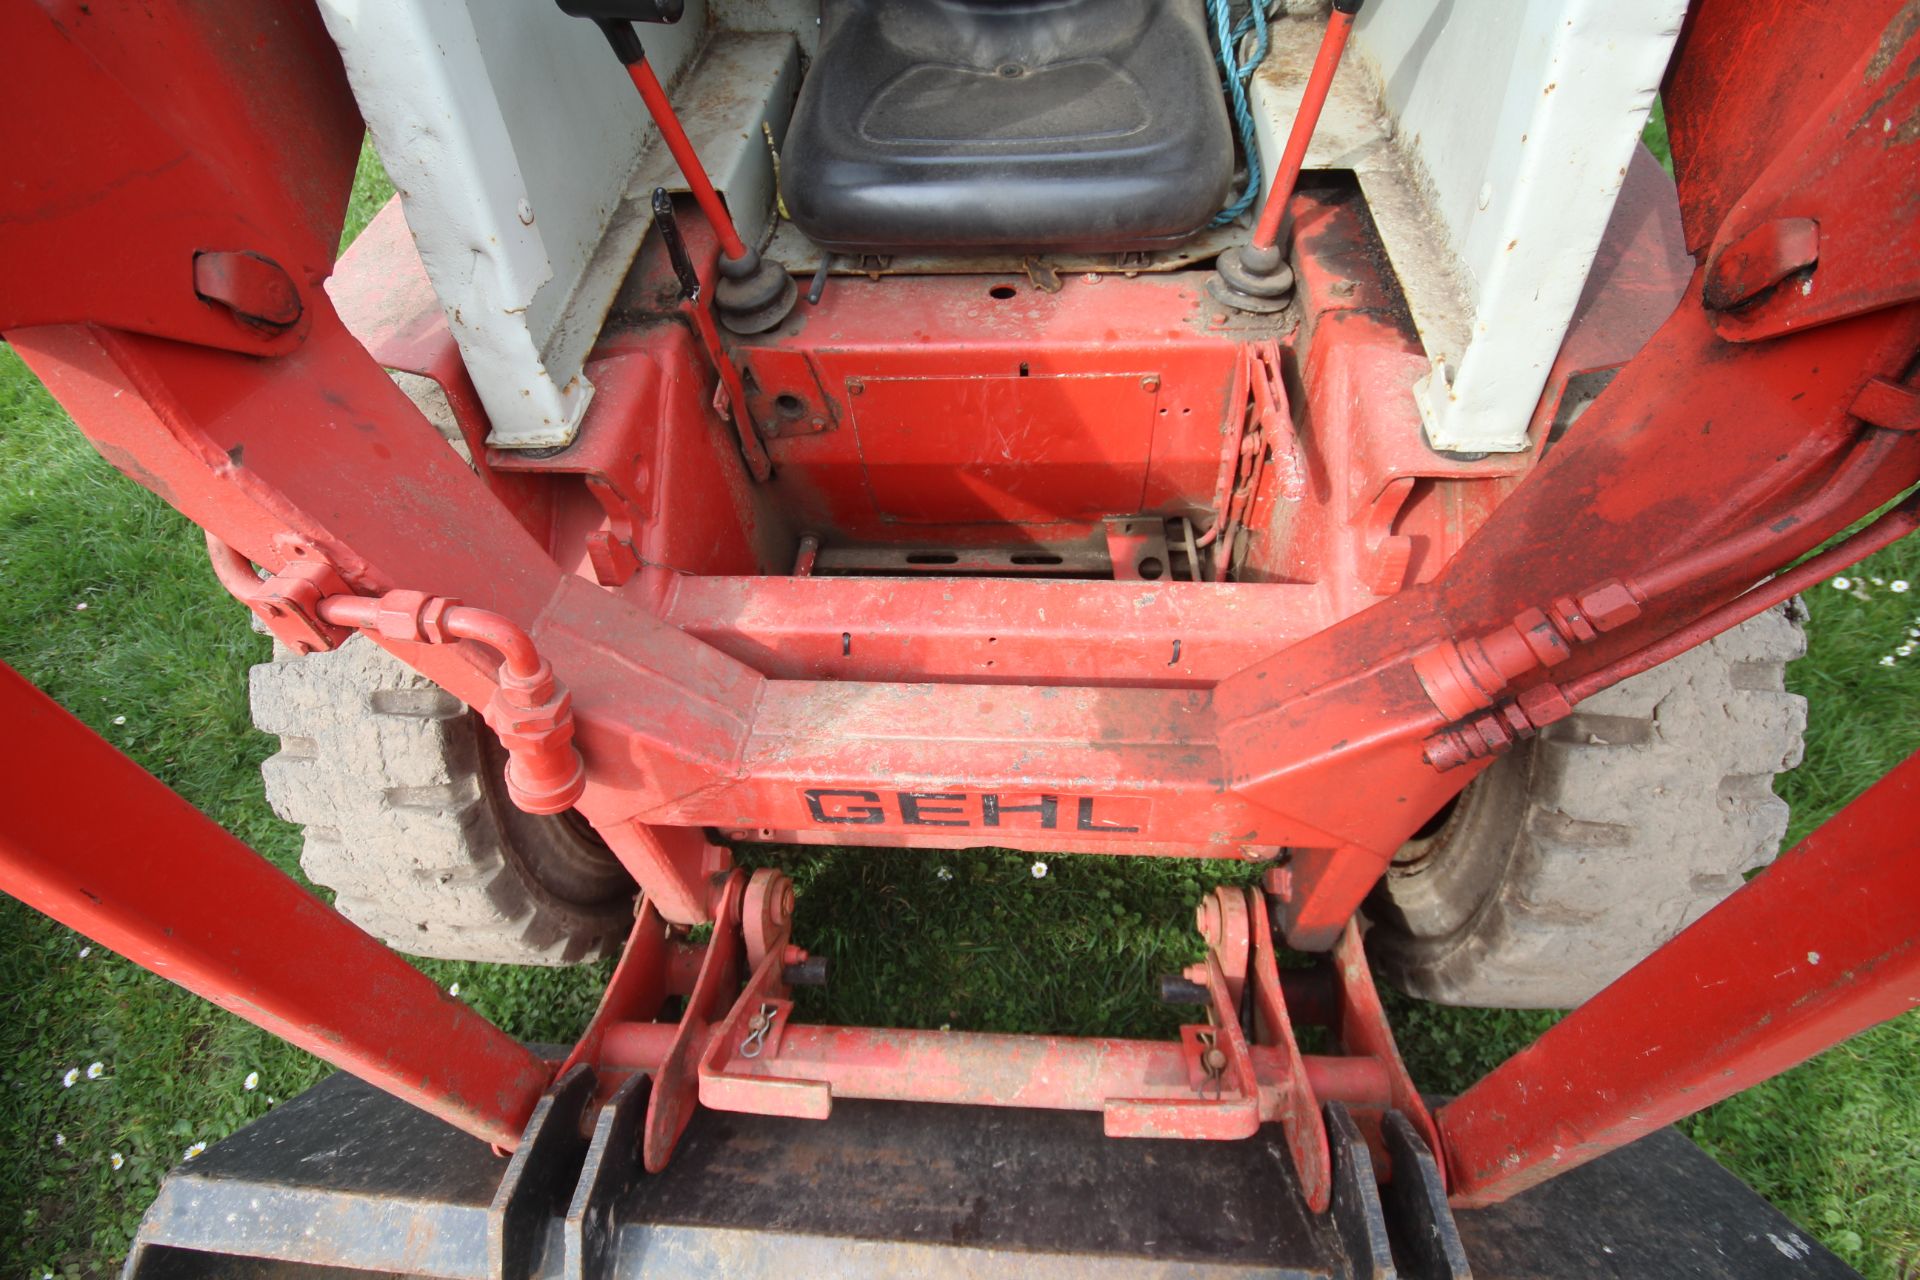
pixel 156 661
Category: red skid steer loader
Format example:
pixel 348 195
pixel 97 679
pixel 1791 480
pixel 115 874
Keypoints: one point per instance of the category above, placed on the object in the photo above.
pixel 1294 433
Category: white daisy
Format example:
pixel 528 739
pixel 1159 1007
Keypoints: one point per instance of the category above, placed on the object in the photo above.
pixel 119 719
pixel 1039 871
pixel 1887 661
pixel 1843 584
pixel 95 1070
pixel 82 608
pixel 115 1159
pixel 73 1074
pixel 252 1081
pixel 194 1150
pixel 454 990
pixel 85 952
pixel 59 1139
pixel 944 873
pixel 1898 586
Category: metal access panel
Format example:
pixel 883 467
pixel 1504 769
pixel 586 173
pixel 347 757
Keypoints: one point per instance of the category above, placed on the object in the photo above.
pixel 957 450
pixel 346 1177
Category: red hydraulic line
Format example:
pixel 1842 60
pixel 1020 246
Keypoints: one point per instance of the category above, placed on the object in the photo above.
pixel 531 710
pixel 234 570
pixel 1889 528
pixel 1819 947
pixel 1480 669
pixel 1760 542
pixel 1498 728
pixel 518 655
pixel 96 842
pixel 641 72
pixel 1266 232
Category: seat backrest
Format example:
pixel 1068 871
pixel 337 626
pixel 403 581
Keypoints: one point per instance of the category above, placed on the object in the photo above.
pixel 989 33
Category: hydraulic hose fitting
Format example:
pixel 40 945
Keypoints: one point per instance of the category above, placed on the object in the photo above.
pixel 1465 676
pixel 1498 730
pixel 530 710
pixel 533 716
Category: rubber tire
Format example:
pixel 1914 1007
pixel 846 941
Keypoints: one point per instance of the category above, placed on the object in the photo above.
pixel 401 790
pixel 1573 857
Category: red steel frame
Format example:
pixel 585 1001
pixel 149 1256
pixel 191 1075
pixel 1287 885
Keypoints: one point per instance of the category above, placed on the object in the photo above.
pixel 1769 410
pixel 155 880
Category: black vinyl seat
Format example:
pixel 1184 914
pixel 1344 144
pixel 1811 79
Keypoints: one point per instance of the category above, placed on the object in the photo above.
pixel 1092 125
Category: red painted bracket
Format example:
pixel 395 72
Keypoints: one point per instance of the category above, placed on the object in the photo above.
pixel 1221 1080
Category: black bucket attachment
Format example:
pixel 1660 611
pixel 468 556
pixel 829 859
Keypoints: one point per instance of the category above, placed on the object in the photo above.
pixel 346 1180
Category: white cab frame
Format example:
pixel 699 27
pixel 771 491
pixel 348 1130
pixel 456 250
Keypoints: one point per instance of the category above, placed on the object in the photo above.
pixel 524 159
pixel 1491 138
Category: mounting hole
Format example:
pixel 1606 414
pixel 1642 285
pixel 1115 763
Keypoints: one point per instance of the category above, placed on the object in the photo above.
pixel 789 405
pixel 1003 292
pixel 932 557
pixel 1010 71
pixel 1039 558
pixel 1151 569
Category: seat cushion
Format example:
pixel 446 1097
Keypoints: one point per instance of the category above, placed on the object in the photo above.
pixel 1091 125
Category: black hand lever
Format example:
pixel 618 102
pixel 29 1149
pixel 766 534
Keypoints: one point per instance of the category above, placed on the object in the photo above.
pixel 669 225
pixel 616 19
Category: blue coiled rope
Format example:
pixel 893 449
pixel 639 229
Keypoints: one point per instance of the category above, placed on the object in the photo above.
pixel 1228 34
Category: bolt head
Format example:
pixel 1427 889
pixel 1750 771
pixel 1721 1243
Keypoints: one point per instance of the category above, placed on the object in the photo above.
pixel 1609 605
pixel 544 720
pixel 1544 704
